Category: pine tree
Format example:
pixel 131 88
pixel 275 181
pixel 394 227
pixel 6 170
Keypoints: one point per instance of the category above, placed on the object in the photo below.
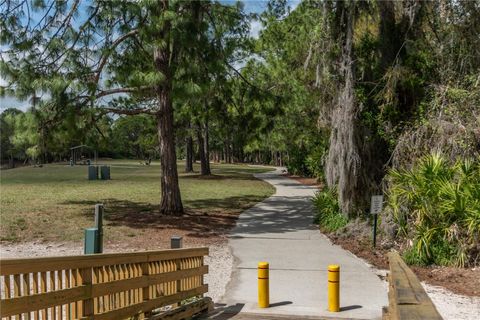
pixel 120 57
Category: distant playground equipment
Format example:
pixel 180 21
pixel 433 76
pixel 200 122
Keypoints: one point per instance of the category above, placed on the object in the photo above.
pixel 83 155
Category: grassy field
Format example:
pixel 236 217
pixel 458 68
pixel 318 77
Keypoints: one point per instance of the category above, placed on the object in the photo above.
pixel 56 202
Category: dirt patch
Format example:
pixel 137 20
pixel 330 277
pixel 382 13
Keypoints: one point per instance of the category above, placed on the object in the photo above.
pixel 460 281
pixel 305 181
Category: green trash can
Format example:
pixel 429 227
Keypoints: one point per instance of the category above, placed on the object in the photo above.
pixel 92 241
pixel 105 172
pixel 92 173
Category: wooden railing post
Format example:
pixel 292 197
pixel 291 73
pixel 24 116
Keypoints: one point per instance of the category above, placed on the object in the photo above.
pixel 176 242
pixel 86 280
pixel 146 290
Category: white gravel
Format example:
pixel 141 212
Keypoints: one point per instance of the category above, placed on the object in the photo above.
pixel 220 266
pixel 453 306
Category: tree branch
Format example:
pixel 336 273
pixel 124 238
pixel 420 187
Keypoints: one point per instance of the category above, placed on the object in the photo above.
pixel 104 59
pixel 122 90
pixel 130 112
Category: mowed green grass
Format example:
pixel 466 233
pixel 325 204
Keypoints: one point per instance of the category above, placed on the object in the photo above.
pixel 56 202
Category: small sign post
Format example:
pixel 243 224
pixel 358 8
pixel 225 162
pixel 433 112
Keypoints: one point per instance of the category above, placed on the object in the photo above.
pixel 376 206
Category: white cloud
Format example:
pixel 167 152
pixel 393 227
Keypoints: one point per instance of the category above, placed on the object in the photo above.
pixel 255 28
pixel 12 102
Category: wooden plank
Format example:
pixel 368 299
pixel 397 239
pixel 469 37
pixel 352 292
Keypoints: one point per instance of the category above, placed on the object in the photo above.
pixel 26 290
pixel 139 282
pixel 43 289
pixel 106 298
pixel 43 300
pixel 121 276
pixel 59 288
pixel 51 280
pixel 94 301
pixel 35 285
pixel 149 305
pixel 16 292
pixel 75 313
pixel 68 285
pixel 16 266
pixel 186 311
pixel 146 292
pixel 86 280
pixel 7 287
pixel 407 298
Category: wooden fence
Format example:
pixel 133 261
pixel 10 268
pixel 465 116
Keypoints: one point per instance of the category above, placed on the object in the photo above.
pixel 407 298
pixel 100 286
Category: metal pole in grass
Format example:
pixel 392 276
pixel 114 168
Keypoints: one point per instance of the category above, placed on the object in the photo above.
pixel 99 225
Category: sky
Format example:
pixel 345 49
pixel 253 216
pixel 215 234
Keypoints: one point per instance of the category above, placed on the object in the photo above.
pixel 251 6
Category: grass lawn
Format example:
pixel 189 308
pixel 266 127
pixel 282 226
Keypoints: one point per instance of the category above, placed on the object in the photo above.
pixel 56 202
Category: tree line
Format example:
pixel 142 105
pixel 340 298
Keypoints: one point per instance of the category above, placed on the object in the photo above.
pixel 340 90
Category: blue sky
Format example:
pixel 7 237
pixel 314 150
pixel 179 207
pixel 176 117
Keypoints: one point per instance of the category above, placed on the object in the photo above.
pixel 251 6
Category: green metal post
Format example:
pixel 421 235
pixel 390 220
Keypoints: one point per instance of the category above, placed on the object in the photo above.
pixel 99 225
pixel 91 244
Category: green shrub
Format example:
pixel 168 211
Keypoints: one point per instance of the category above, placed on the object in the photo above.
pixel 308 162
pixel 442 253
pixel 315 161
pixel 296 162
pixel 328 215
pixel 438 206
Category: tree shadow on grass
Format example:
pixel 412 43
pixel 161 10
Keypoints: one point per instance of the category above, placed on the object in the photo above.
pixel 213 217
pixel 228 175
pixel 203 218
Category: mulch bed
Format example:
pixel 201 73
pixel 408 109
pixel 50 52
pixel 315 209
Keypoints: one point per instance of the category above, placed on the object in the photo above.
pixel 464 281
pixel 303 180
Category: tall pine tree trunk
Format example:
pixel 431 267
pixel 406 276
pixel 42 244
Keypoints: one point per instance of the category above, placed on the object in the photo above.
pixel 206 148
pixel 189 151
pixel 171 201
pixel 343 161
pixel 204 161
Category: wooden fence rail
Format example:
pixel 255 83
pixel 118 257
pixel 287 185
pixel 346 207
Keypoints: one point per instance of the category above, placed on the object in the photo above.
pixel 407 298
pixel 100 286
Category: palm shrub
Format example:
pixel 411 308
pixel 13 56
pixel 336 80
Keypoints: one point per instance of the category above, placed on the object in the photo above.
pixel 328 215
pixel 437 205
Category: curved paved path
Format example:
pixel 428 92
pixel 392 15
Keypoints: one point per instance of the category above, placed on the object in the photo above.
pixel 279 230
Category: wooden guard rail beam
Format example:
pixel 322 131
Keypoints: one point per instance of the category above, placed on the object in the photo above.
pixel 100 286
pixel 407 298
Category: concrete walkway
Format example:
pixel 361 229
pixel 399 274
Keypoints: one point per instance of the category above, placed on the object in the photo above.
pixel 279 230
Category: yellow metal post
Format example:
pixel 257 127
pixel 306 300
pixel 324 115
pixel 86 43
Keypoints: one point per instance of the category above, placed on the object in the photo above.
pixel 263 285
pixel 334 288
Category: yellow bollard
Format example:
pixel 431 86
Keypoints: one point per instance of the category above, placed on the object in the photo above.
pixel 334 288
pixel 263 285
